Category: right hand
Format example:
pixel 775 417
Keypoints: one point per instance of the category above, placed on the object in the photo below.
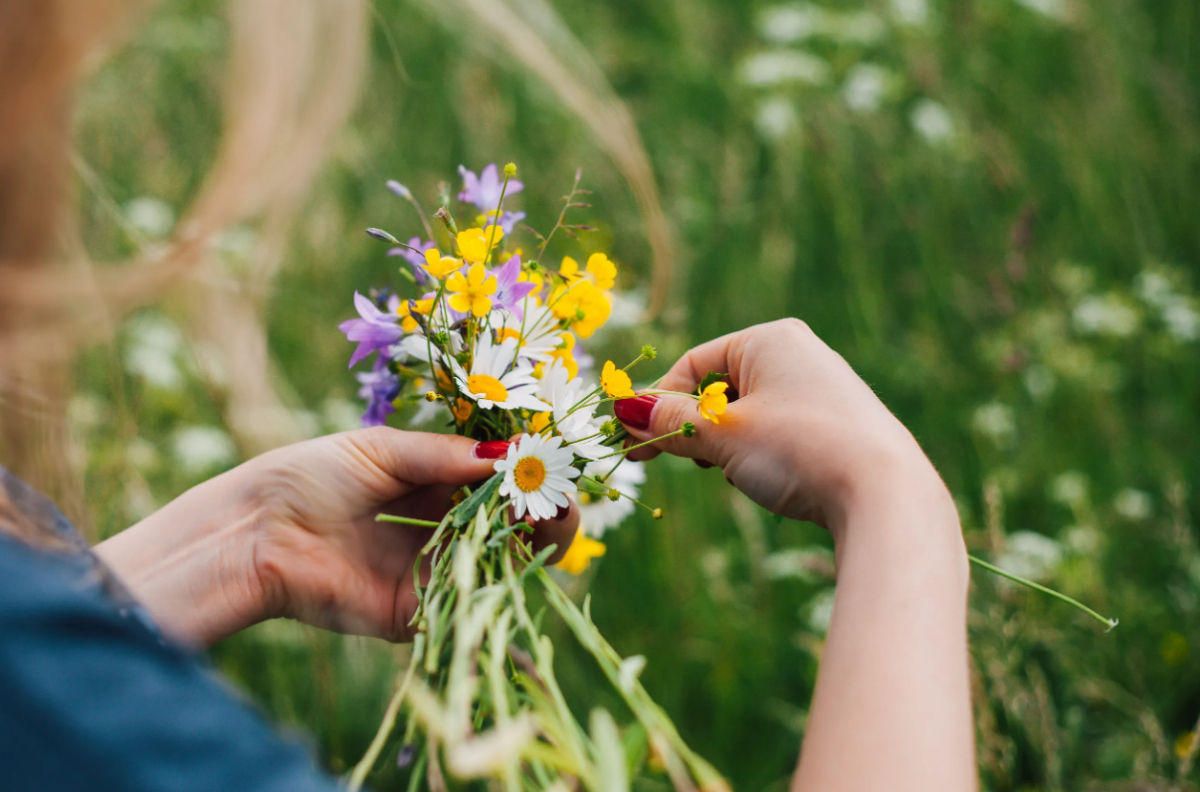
pixel 805 437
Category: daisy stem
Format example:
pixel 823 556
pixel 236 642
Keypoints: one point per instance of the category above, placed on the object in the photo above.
pixel 639 445
pixel 392 518
pixel 1109 623
pixel 385 728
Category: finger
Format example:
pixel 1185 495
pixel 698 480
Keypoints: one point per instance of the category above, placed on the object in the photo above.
pixel 722 355
pixel 420 457
pixel 558 531
pixel 653 416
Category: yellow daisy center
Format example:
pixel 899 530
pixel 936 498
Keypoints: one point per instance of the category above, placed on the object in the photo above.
pixel 505 333
pixel 488 386
pixel 529 474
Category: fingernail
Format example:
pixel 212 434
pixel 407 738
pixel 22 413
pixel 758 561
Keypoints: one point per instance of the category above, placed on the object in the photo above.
pixel 562 512
pixel 702 463
pixel 635 412
pixel 491 449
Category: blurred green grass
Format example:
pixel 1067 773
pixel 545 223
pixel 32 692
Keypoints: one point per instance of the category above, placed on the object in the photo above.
pixel 983 229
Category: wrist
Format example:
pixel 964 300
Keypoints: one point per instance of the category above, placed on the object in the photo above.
pixel 191 564
pixel 898 512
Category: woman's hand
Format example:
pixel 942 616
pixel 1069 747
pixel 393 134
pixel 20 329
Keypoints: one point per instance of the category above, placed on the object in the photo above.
pixel 293 533
pixel 805 436
pixel 808 439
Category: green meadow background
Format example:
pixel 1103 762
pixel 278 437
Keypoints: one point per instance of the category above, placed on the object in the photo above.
pixel 990 207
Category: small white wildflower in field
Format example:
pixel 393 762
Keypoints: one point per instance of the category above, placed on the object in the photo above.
pixel 995 421
pixel 780 67
pixel 932 121
pixel 1055 9
pixel 1070 488
pixel 776 118
pixel 1039 381
pixel 911 12
pixel 809 565
pixel 1182 320
pixel 785 24
pixel 153 345
pixel 820 611
pixel 1107 314
pixel 1030 555
pixel 865 87
pixel 152 217
pixel 201 448
pixel 1133 504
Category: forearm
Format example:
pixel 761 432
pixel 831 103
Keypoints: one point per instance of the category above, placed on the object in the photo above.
pixel 892 705
pixel 190 564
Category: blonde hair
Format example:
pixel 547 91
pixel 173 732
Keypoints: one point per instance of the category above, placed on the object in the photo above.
pixel 293 77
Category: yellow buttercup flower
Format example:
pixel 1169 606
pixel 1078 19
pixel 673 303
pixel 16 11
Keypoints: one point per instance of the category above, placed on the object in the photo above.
pixel 569 269
pixel 470 294
pixel 566 355
pixel 407 308
pixel 440 266
pixel 462 410
pixel 582 304
pixel 474 245
pixel 713 401
pixel 580 554
pixel 603 271
pixel 539 421
pixel 616 382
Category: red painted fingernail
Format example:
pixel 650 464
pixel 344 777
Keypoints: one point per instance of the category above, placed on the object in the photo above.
pixel 562 512
pixel 491 449
pixel 635 412
pixel 703 463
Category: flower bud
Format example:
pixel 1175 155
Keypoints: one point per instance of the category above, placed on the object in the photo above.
pixel 398 188
pixel 649 352
pixel 443 214
pixel 432 396
pixel 689 429
pixel 379 233
pixel 510 169
pixel 657 514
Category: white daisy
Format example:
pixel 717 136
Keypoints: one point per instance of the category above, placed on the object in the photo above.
pixel 538 330
pixel 537 476
pixel 573 419
pixel 491 383
pixel 597 513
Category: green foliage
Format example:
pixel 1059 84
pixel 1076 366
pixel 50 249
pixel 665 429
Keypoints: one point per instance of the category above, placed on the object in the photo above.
pixel 996 225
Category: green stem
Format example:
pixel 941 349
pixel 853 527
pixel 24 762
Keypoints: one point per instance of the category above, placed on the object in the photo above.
pixel 385 729
pixel 1109 623
pixel 406 520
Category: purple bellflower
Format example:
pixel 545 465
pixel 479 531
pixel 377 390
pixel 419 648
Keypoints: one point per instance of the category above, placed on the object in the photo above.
pixel 375 330
pixel 379 387
pixel 484 191
pixel 415 259
pixel 510 292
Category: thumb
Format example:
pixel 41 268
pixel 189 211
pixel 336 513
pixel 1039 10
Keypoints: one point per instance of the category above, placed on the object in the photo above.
pixel 650 416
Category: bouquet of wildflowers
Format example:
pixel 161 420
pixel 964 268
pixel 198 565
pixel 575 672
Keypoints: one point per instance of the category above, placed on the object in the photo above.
pixel 488 336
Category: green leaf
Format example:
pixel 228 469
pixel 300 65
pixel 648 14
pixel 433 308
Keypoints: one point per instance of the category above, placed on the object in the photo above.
pixel 709 379
pixel 538 561
pixel 464 512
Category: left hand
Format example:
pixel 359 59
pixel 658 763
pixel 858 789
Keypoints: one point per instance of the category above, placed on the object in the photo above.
pixel 293 533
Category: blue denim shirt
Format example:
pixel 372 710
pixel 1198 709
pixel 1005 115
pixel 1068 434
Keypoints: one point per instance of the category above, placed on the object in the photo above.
pixel 93 697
